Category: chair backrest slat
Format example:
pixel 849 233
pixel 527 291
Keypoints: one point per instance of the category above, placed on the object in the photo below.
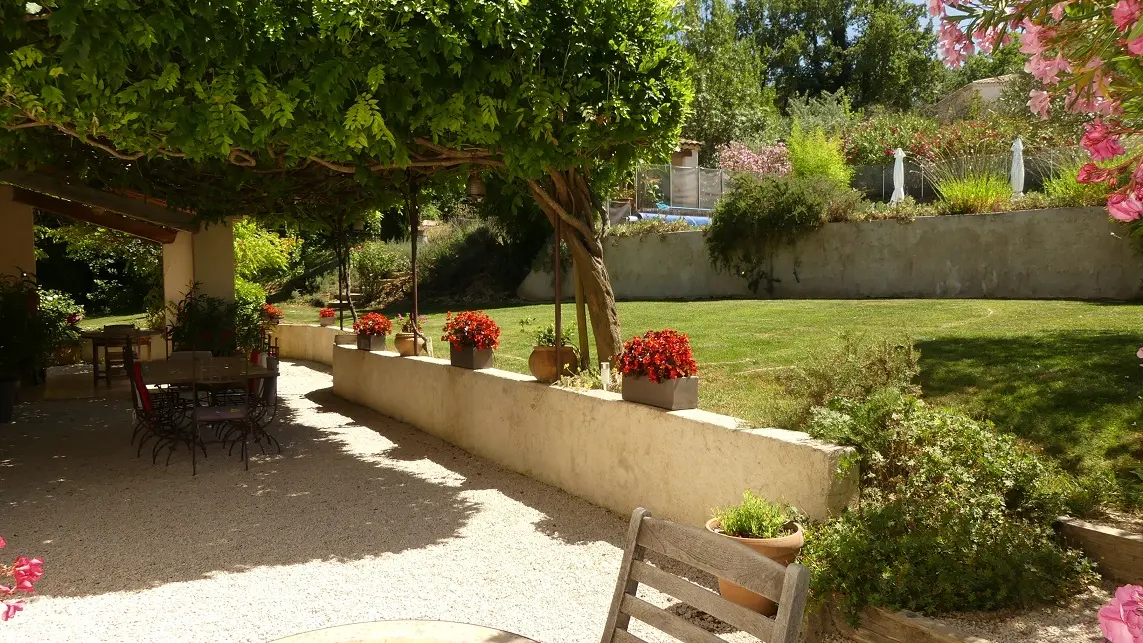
pixel 703 599
pixel 714 554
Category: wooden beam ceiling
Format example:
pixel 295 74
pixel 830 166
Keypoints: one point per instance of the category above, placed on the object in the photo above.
pixel 98 216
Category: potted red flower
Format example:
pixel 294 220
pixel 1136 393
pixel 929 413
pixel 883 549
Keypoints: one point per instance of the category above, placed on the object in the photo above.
pixel 659 369
pixel 325 317
pixel 371 330
pixel 271 314
pixel 471 336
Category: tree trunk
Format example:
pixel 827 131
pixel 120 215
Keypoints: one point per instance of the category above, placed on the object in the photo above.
pixel 566 199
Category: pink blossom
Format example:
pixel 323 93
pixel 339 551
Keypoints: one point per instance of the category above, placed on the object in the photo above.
pixel 1139 353
pixel 1123 208
pixel 10 609
pixel 2 543
pixel 1033 40
pixel 1047 70
pixel 1135 47
pixel 986 39
pixel 936 8
pixel 1100 143
pixel 1040 102
pixel 1120 620
pixel 27 571
pixel 737 157
pixel 1092 173
pixel 1125 14
pixel 1058 10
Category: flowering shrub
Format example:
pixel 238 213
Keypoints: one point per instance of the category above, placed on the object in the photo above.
pixel 1087 54
pixel 24 572
pixel 471 328
pixel 405 323
pixel 872 142
pixel 326 313
pixel 373 324
pixel 271 313
pixel 737 157
pixel 1121 620
pixel 658 355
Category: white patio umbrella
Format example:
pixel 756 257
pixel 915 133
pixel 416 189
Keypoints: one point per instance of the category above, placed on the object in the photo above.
pixel 1017 168
pixel 898 176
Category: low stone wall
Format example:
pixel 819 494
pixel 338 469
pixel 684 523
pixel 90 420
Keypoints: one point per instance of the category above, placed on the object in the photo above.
pixel 1072 253
pixel 593 444
pixel 308 342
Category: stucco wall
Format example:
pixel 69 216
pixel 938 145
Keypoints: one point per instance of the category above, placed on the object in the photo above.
pixel 1071 253
pixel 305 341
pixel 616 454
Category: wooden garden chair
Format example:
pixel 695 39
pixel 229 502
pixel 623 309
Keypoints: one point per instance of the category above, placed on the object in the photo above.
pixel 712 553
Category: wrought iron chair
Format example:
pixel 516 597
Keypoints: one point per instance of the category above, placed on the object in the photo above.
pixel 158 413
pixel 231 414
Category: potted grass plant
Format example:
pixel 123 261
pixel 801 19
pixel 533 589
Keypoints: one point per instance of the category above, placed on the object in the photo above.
pixel 471 336
pixel 411 335
pixel 768 528
pixel 325 316
pixel 371 330
pixel 542 361
pixel 659 370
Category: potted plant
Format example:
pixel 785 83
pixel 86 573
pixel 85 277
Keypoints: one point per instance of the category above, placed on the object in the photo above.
pixel 542 361
pixel 769 528
pixel 325 317
pixel 29 335
pixel 471 336
pixel 271 313
pixel 659 369
pixel 371 330
pixel 411 331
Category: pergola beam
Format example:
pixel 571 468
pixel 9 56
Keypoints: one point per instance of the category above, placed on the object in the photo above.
pixel 106 219
pixel 126 206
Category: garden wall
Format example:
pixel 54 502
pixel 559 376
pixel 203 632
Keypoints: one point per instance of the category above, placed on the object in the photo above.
pixel 1073 253
pixel 616 454
pixel 308 342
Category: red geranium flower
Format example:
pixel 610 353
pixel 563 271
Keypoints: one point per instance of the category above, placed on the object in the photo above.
pixel 658 355
pixel 471 328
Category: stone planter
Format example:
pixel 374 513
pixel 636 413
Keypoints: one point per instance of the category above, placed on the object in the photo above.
pixel 325 321
pixel 542 362
pixel 403 342
pixel 371 342
pixel 470 357
pixel 673 395
pixel 783 549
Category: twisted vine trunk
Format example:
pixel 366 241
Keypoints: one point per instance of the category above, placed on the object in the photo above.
pixel 567 200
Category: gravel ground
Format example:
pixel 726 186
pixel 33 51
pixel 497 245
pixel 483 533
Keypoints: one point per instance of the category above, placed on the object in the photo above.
pixel 1073 622
pixel 360 519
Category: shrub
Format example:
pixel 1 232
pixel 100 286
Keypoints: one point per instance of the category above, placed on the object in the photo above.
pixel 658 355
pixel 650 225
pixel 953 515
pixel 974 194
pixel 738 157
pixel 375 263
pixel 373 324
pixel 203 322
pixel 1064 190
pixel 261 255
pixel 471 329
pixel 813 154
pixel 760 213
pixel 249 299
pixel 546 336
pixel 872 141
pixel 755 517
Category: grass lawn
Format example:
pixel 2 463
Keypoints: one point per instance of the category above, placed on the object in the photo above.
pixel 1061 374
pixel 97 323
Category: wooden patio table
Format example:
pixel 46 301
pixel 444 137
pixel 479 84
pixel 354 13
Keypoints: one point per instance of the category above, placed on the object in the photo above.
pixel 407 632
pixel 111 338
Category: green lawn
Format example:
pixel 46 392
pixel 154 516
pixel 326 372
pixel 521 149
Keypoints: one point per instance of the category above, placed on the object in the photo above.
pixel 96 323
pixel 1061 374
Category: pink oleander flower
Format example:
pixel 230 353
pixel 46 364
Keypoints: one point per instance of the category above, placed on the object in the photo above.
pixel 1040 103
pixel 1125 13
pixel 1124 208
pixel 1100 143
pixel 10 609
pixel 1139 353
pixel 25 572
pixel 1035 35
pixel 1047 70
pixel 1092 173
pixel 936 8
pixel 1135 47
pixel 1058 10
pixel 1120 620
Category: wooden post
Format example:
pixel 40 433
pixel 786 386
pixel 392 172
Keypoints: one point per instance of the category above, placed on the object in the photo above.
pixel 414 226
pixel 559 311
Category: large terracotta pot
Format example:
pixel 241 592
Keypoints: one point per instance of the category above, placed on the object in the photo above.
pixel 673 395
pixel 783 549
pixel 542 362
pixel 470 357
pixel 371 342
pixel 403 342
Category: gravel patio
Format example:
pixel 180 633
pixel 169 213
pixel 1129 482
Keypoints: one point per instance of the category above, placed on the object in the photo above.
pixel 361 518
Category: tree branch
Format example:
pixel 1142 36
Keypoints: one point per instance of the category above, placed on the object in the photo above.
pixel 545 198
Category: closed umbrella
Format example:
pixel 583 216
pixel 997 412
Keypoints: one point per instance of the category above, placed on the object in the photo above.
pixel 1017 168
pixel 898 176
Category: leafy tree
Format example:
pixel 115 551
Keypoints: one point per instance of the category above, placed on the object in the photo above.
pixel 879 51
pixel 316 111
pixel 262 256
pixel 732 101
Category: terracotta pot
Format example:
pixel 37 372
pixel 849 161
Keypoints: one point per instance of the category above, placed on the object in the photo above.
pixel 325 321
pixel 542 362
pixel 470 357
pixel 403 342
pixel 783 549
pixel 673 395
pixel 371 342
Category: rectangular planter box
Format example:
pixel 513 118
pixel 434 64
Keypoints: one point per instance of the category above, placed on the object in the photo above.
pixel 371 342
pixel 673 395
pixel 1118 553
pixel 471 358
